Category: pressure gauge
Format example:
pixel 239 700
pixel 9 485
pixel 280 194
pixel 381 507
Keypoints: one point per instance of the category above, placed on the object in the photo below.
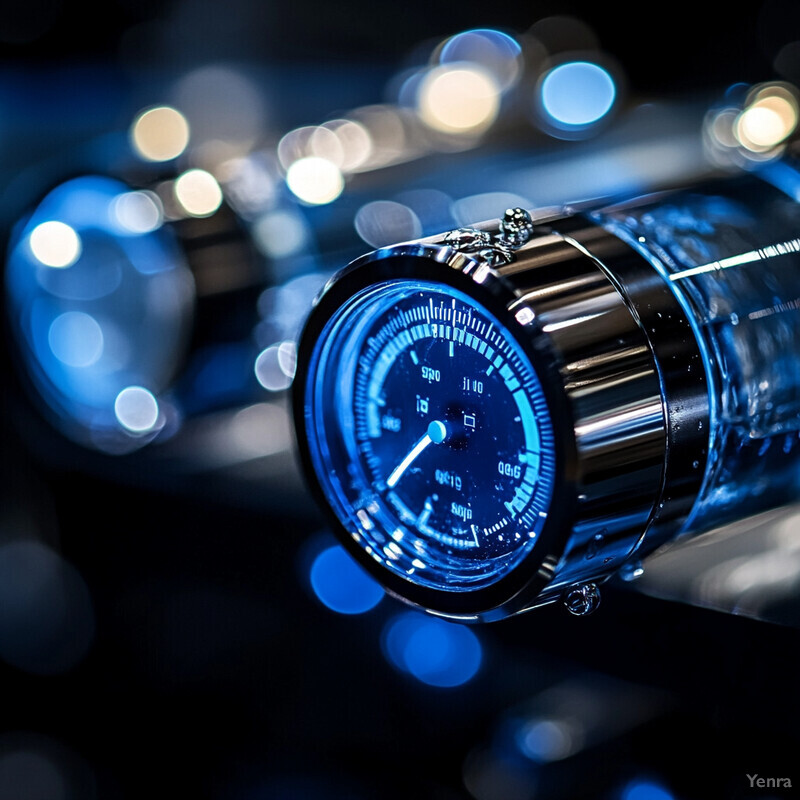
pixel 445 433
pixel 509 414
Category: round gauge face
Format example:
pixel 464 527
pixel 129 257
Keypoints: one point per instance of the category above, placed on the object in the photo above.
pixel 430 435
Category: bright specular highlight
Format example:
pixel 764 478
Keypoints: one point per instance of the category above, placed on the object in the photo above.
pixel 315 180
pixel 55 244
pixel 136 409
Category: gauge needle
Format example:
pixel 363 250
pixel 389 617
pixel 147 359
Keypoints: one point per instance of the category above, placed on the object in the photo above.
pixel 435 434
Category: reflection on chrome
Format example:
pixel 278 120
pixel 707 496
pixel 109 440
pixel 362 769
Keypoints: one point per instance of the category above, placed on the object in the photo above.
pixel 751 568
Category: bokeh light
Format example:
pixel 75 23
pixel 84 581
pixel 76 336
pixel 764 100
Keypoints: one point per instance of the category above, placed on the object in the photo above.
pixel 458 99
pixel 198 192
pixel 354 140
pixel 284 308
pixel 29 775
pixel 295 145
pixel 287 358
pixel 136 409
pixel 55 244
pixel 37 767
pixel 47 621
pixel 769 118
pixel 223 105
pixel 645 790
pixel 575 95
pixel 436 652
pixel 137 212
pixel 250 183
pixel 324 143
pixel 498 53
pixel 315 180
pixel 116 317
pixel 543 740
pixel 342 585
pixel 160 133
pixel 389 129
pixel 345 143
pixel 384 222
pixel 275 365
pixel 76 339
pixel 280 233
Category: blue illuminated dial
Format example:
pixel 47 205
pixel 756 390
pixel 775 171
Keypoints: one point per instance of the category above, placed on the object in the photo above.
pixel 430 434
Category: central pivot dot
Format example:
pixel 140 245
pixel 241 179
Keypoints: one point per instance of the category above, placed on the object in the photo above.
pixel 437 431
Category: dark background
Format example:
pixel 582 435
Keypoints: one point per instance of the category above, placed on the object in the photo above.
pixel 206 666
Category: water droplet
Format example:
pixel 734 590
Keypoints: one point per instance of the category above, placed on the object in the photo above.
pixel 593 548
pixel 734 319
pixel 695 464
pixel 631 571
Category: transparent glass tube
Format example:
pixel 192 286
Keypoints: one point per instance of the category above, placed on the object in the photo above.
pixel 731 253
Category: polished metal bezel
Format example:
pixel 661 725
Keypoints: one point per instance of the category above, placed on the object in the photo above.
pixel 471 275
pixel 618 365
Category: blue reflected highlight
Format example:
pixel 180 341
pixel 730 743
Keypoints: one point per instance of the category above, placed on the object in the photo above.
pixel 436 652
pixel 76 339
pixel 341 584
pixel 101 299
pixel 545 740
pixel 495 51
pixel 645 790
pixel 576 95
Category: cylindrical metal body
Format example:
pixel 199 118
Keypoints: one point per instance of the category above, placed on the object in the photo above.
pixel 666 331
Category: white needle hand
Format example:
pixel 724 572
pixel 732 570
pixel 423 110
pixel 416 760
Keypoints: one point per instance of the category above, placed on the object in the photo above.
pixel 435 434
